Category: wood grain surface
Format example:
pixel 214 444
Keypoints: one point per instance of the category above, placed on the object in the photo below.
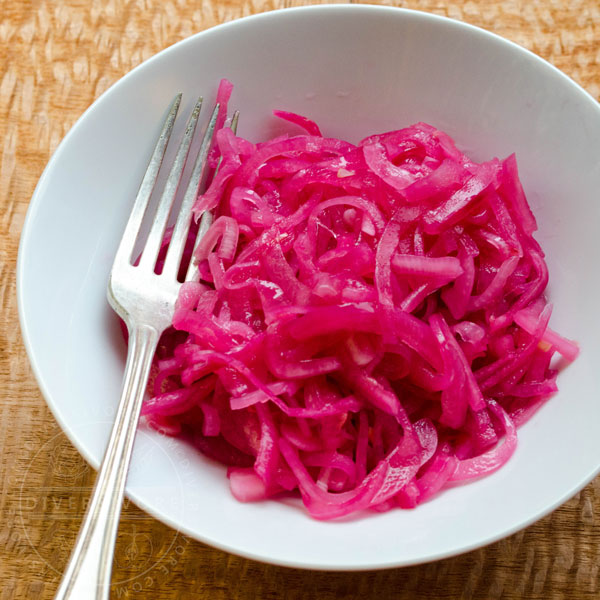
pixel 56 57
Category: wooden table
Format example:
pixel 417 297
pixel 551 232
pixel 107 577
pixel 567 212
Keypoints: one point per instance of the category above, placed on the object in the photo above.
pixel 56 57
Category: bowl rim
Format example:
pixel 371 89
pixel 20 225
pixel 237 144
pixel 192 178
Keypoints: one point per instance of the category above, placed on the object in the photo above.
pixel 35 200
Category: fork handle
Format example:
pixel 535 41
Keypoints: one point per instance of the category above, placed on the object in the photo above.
pixel 87 576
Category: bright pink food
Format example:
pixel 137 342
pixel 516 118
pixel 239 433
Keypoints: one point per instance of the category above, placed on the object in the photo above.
pixel 370 322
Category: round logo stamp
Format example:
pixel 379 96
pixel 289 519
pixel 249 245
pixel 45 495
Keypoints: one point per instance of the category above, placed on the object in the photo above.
pixel 50 509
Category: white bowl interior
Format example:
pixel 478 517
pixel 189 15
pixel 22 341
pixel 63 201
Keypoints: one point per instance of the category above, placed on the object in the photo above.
pixel 356 70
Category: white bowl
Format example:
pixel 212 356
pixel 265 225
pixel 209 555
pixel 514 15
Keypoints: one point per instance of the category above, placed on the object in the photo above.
pixel 356 70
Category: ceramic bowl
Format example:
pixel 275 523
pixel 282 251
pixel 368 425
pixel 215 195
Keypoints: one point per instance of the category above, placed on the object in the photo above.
pixel 356 70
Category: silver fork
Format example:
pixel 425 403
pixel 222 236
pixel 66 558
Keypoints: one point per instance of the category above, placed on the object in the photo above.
pixel 145 301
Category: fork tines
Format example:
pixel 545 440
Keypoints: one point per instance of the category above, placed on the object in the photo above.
pixel 181 228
